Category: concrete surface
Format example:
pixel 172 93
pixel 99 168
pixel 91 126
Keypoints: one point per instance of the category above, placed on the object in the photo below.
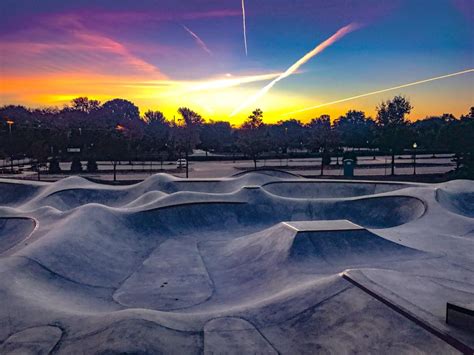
pixel 256 263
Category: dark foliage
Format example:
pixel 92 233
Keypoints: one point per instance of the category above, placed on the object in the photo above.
pixel 115 131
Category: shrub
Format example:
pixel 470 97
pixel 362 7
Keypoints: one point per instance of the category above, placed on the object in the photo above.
pixel 76 166
pixel 92 166
pixel 54 167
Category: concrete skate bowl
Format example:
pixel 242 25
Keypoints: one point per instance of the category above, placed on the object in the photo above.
pixel 457 197
pixel 150 190
pixel 13 194
pixel 329 189
pixel 196 266
pixel 99 246
pixel 13 231
pixel 67 199
pixel 261 209
pixel 269 172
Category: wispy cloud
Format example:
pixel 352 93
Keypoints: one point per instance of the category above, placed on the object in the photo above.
pixel 179 87
pixel 244 26
pixel 65 45
pixel 381 91
pixel 198 40
pixel 318 49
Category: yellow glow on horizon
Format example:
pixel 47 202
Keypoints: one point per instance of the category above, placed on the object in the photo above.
pixel 214 97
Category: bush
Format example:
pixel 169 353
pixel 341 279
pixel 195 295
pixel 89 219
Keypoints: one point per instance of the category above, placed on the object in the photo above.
pixel 92 166
pixel 466 166
pixel 54 167
pixel 326 158
pixel 76 166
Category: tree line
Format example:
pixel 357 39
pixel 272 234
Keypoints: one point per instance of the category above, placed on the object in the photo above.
pixel 115 131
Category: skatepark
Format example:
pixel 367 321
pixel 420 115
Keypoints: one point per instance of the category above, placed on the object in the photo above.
pixel 260 262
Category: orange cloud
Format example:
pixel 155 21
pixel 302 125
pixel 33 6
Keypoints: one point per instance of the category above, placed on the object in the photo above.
pixel 67 46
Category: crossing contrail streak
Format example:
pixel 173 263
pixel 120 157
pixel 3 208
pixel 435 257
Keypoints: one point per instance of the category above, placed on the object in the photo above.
pixel 244 26
pixel 318 49
pixel 198 40
pixel 381 91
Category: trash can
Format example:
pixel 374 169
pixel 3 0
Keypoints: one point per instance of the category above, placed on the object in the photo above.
pixel 348 167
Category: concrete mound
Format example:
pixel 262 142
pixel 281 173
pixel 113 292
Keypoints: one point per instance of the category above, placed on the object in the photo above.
pixel 13 231
pixel 256 263
pixel 457 197
pixel 64 200
pixel 329 189
pixel 14 193
pixel 36 340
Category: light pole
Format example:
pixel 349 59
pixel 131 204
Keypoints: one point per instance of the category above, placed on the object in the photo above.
pixel 414 158
pixel 10 124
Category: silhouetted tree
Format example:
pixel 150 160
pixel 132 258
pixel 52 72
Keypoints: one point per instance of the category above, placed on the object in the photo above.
pixel 393 125
pixel 430 134
pixel 459 134
pixel 113 147
pixel 187 132
pixel 252 136
pixel 323 138
pixel 157 131
pixel 355 129
pixel 76 165
pixel 84 105
pixel 286 135
pixel 121 112
pixel 215 136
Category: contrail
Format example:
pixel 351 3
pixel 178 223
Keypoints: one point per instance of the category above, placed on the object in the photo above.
pixel 381 91
pixel 244 26
pixel 198 40
pixel 321 47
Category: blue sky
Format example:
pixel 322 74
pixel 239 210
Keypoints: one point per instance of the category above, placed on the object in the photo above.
pixel 55 50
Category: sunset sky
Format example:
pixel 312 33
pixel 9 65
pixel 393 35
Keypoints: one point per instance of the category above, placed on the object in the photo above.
pixel 164 54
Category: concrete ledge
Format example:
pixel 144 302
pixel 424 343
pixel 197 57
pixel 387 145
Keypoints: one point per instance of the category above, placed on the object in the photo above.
pixel 460 316
pixel 459 345
pixel 323 226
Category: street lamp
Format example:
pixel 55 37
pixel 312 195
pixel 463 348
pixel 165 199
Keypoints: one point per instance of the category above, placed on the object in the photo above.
pixel 10 124
pixel 120 128
pixel 414 158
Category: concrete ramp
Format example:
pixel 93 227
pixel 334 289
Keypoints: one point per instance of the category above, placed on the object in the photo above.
pixel 421 299
pixel 341 242
pixel 457 197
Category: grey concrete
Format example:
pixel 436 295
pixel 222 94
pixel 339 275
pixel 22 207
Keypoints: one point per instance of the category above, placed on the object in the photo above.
pixel 36 340
pixel 460 316
pixel 249 264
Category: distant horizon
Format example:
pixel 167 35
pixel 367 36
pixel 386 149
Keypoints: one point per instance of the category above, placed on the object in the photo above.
pixel 275 120
pixel 225 58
